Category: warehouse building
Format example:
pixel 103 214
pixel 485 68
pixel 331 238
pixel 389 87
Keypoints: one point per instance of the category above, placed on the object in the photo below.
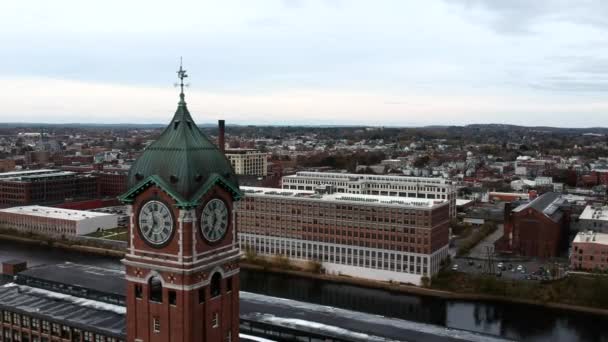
pixel 45 187
pixel 383 185
pixel 377 237
pixel 594 217
pixel 589 252
pixel 52 221
pixel 248 162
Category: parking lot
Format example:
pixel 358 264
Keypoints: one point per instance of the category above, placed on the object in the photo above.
pixel 511 269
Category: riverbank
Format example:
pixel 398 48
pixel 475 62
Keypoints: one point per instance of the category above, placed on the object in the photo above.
pixel 423 291
pixel 67 245
pixel 339 279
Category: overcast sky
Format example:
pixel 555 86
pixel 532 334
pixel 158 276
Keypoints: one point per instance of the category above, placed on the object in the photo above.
pixel 380 62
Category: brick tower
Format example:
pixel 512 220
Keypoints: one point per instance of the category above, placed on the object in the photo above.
pixel 182 263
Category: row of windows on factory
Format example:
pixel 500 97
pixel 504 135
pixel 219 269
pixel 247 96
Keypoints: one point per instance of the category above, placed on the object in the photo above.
pixel 26 223
pixel 378 244
pixel 431 195
pixel 288 181
pixel 404 234
pixel 43 331
pixel 320 208
pixel 361 222
pixel 339 255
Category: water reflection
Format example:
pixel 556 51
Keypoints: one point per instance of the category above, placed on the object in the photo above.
pixel 526 322
pixel 421 309
pixel 518 322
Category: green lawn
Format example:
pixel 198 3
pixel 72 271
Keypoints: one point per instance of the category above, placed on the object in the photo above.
pixel 119 234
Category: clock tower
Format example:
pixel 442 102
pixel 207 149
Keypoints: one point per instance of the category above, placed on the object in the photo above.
pixel 182 263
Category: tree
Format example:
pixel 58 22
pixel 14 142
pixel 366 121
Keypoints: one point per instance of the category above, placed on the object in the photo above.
pixel 425 281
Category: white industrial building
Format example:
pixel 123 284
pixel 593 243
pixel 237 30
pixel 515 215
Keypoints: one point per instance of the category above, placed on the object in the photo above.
pixel 383 185
pixel 248 162
pixel 55 221
pixel 594 218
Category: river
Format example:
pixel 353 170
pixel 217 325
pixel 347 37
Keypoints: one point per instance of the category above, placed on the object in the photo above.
pixel 513 321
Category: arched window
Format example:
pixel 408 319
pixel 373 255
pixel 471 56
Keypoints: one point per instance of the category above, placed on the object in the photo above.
pixel 155 287
pixel 216 284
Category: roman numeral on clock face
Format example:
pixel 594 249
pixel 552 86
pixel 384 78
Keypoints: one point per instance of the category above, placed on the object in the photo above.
pixel 214 220
pixel 155 223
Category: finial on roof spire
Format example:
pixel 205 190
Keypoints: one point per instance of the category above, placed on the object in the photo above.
pixel 181 74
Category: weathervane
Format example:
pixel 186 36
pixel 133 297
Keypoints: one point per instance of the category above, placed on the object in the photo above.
pixel 181 74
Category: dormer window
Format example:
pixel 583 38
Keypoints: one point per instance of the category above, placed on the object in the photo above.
pixel 175 124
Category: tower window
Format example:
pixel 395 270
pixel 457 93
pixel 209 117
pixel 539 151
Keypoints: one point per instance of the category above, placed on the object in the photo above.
pixel 172 297
pixel 216 284
pixel 215 321
pixel 138 291
pixel 156 324
pixel 201 295
pixel 156 289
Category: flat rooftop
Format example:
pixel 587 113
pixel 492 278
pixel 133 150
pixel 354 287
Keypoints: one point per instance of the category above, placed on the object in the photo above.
pixel 14 174
pixel 391 201
pixel 595 213
pixel 369 177
pixel 52 212
pixel 87 315
pixel 243 151
pixel 84 276
pixel 592 237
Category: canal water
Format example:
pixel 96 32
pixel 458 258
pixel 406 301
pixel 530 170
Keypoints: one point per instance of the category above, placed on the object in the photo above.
pixel 513 321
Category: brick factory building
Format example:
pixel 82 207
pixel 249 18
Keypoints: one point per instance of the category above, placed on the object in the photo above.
pixel 112 181
pixel 55 221
pixel 377 237
pixel 45 187
pixel 536 229
pixel 248 162
pixel 399 186
pixel 65 302
pixel 600 176
pixel 589 252
pixel 7 165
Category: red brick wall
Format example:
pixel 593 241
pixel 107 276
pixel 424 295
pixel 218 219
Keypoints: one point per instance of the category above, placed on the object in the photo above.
pixel 589 256
pixel 535 235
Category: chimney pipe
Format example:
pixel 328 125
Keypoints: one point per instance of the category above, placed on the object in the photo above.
pixel 220 138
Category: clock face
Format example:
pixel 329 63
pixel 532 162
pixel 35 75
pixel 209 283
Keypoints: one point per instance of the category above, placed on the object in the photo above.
pixel 155 223
pixel 214 220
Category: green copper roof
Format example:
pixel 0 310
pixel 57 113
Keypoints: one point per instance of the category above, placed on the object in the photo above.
pixel 183 159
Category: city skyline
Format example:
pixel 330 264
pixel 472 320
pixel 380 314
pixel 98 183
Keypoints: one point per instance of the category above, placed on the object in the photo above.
pixel 308 63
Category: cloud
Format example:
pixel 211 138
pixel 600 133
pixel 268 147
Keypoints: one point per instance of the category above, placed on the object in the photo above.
pixel 399 62
pixel 525 16
pixel 59 101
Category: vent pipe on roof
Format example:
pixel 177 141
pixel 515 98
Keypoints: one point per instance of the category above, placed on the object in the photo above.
pixel 220 137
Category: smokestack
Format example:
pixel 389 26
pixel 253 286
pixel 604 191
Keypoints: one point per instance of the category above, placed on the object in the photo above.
pixel 220 137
